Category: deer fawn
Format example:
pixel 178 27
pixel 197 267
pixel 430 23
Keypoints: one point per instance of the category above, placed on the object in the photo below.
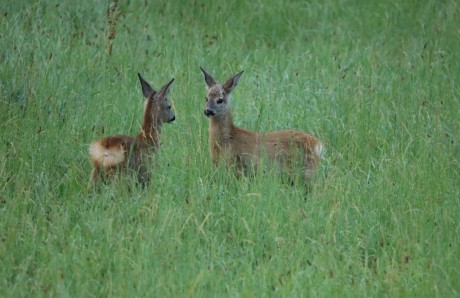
pixel 243 148
pixel 121 152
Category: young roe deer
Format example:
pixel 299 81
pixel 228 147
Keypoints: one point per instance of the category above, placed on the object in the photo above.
pixel 121 152
pixel 291 150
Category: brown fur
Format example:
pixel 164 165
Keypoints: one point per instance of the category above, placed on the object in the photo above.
pixel 243 148
pixel 121 152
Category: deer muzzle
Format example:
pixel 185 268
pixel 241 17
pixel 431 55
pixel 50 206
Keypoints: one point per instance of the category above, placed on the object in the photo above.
pixel 209 113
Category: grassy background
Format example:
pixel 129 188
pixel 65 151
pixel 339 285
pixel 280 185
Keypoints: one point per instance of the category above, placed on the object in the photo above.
pixel 377 81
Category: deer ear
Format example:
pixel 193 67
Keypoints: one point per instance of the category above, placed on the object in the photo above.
pixel 208 78
pixel 232 82
pixel 147 90
pixel 166 88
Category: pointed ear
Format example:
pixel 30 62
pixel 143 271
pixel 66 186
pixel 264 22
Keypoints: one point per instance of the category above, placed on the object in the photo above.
pixel 147 90
pixel 232 82
pixel 166 88
pixel 208 78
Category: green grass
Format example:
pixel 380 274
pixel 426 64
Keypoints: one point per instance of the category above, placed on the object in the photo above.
pixel 377 81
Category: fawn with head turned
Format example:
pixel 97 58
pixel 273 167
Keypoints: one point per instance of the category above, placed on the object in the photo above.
pixel 122 152
pixel 291 150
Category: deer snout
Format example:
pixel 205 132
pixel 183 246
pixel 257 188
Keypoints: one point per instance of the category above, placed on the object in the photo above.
pixel 172 119
pixel 209 113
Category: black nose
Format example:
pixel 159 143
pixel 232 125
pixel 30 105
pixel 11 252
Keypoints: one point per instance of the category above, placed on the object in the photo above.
pixel 209 113
pixel 172 119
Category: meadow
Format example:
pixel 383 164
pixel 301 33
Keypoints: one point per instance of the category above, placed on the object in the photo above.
pixel 377 81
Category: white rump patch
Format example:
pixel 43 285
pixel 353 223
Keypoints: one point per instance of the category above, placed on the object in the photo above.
pixel 106 157
pixel 320 151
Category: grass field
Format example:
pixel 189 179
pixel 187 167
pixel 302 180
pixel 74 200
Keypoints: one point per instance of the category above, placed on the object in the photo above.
pixel 377 81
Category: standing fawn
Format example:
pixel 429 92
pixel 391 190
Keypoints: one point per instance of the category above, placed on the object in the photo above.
pixel 121 152
pixel 291 150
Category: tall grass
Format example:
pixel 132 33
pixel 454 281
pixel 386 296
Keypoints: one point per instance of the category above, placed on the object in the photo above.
pixel 378 82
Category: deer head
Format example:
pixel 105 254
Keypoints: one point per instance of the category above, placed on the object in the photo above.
pixel 157 104
pixel 218 97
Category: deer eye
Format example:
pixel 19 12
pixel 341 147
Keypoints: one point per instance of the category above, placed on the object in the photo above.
pixel 220 100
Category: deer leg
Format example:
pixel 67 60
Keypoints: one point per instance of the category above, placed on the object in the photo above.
pixel 95 174
pixel 143 176
pixel 309 170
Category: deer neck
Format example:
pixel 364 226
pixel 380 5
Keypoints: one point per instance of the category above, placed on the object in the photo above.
pixel 151 130
pixel 220 128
